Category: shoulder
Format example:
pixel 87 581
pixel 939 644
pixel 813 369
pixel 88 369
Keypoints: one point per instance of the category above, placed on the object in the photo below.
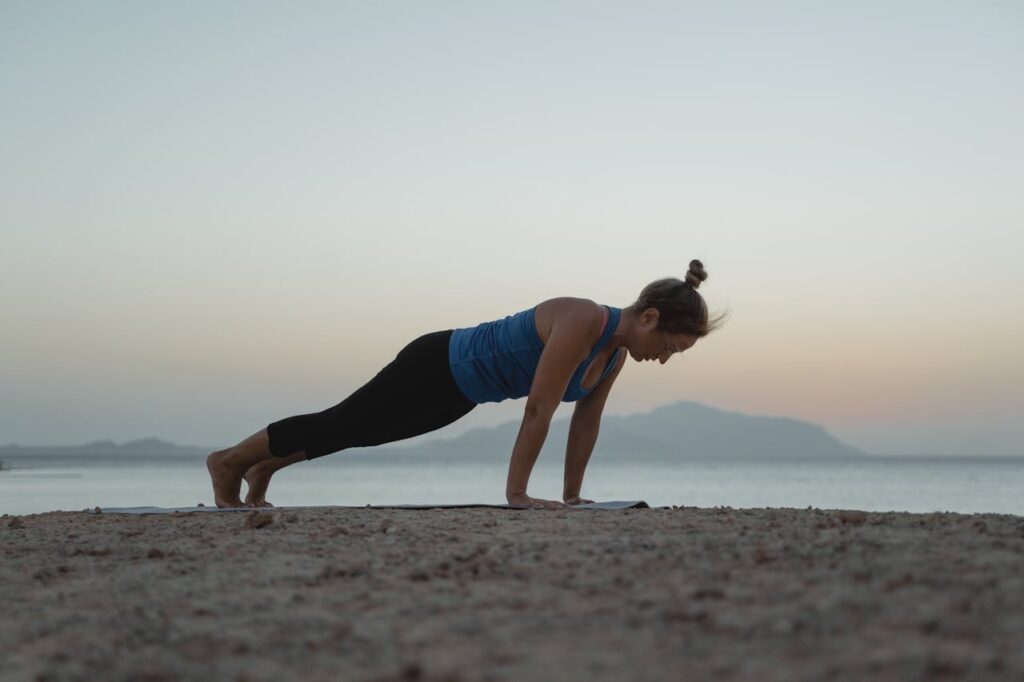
pixel 581 314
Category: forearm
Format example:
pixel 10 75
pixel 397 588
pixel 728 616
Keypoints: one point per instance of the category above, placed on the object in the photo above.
pixel 577 453
pixel 532 433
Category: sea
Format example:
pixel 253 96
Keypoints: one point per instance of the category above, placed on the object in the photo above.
pixel 35 484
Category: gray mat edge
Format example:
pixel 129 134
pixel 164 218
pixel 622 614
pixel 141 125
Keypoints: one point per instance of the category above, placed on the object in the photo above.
pixel 609 505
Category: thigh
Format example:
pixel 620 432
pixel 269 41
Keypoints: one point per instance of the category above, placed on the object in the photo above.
pixel 413 394
pixel 417 379
pixel 426 419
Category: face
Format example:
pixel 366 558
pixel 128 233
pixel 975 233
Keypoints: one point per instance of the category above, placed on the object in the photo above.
pixel 650 344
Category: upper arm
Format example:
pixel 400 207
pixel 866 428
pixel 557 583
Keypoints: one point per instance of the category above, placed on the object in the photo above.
pixel 589 408
pixel 567 346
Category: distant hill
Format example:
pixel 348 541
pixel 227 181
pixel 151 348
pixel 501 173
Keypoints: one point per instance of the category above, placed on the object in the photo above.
pixel 145 447
pixel 680 430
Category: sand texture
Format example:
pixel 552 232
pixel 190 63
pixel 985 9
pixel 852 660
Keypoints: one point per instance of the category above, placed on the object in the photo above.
pixel 483 594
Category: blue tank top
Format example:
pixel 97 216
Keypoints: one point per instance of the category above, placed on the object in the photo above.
pixel 494 361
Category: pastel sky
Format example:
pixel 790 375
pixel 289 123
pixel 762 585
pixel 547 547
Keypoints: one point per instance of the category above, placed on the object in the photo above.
pixel 217 214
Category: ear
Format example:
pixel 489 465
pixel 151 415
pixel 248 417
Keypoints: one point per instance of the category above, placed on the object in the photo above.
pixel 650 316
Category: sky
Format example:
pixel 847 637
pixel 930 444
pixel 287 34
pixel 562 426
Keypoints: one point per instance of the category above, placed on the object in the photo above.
pixel 214 215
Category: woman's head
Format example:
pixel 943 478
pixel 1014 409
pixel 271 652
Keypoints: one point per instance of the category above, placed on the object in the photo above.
pixel 669 315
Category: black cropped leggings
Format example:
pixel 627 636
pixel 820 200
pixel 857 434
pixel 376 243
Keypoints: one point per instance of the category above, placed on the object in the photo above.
pixel 414 394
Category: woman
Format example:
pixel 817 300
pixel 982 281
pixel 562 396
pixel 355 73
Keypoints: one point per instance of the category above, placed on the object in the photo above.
pixel 564 349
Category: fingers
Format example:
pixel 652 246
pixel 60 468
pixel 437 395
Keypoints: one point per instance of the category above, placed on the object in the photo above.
pixel 535 502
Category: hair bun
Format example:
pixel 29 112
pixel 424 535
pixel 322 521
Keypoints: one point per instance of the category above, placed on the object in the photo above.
pixel 696 274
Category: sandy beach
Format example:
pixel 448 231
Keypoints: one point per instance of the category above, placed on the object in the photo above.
pixel 484 594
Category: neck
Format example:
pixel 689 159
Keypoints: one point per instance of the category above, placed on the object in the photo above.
pixel 626 320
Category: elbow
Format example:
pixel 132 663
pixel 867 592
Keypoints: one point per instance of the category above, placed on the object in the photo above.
pixel 585 420
pixel 539 411
pixel 585 425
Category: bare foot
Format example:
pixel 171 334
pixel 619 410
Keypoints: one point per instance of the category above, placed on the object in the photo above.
pixel 258 479
pixel 227 481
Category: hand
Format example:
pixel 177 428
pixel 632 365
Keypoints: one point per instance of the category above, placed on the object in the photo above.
pixel 576 499
pixel 524 500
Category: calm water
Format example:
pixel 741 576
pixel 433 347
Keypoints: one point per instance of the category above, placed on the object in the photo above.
pixel 917 484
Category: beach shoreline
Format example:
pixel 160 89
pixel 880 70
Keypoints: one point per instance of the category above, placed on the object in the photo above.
pixel 487 594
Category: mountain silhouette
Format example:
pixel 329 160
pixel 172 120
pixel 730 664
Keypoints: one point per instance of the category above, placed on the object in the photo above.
pixel 684 429
pixel 144 447
pixel 681 430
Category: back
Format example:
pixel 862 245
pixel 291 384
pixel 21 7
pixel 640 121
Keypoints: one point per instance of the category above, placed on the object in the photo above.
pixel 496 360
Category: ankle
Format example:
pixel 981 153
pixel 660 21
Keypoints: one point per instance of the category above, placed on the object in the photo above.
pixel 228 458
pixel 262 467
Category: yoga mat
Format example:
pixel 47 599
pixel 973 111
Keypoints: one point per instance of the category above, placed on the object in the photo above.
pixel 615 504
